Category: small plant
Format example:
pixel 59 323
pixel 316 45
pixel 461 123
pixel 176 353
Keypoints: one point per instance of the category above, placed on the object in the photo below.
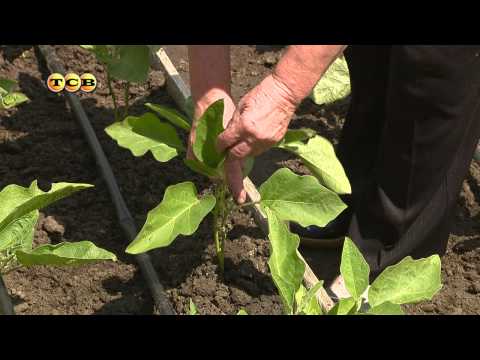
pixel 181 210
pixel 8 96
pixel 18 217
pixel 285 196
pixel 127 63
pixel 409 281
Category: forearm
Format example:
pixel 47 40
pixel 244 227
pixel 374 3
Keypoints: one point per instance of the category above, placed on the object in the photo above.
pixel 210 77
pixel 302 66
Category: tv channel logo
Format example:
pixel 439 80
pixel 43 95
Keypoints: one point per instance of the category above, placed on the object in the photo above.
pixel 71 82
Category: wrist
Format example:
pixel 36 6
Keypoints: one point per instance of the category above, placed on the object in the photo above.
pixel 280 92
pixel 302 66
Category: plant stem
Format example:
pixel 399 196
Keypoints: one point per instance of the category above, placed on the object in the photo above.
pixel 112 94
pixel 220 217
pixel 126 95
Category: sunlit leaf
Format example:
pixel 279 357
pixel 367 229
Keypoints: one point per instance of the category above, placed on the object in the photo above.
pixel 179 213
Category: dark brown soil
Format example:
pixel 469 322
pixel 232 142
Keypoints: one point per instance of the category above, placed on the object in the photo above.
pixel 40 140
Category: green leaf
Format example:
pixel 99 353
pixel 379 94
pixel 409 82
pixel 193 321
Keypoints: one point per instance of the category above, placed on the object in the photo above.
pixel 180 212
pixel 300 198
pixel 209 126
pixel 307 302
pixel 12 100
pixel 285 266
pixel 202 169
pixel 103 53
pixel 193 308
pixel 172 115
pixel 334 84
pixel 7 86
pixel 146 133
pixel 297 135
pixel 354 269
pixel 19 233
pixel 387 308
pixel 319 157
pixel 242 312
pixel 130 63
pixel 409 281
pixel 78 253
pixel 344 307
pixel 9 98
pixel 18 201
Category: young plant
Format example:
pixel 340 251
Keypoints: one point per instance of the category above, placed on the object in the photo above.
pixel 8 96
pixel 18 218
pixel 409 281
pixel 181 210
pixel 285 196
pixel 127 63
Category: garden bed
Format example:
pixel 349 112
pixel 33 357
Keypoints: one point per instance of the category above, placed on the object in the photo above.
pixel 41 140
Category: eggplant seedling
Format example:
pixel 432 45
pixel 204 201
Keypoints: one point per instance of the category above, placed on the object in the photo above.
pixel 181 210
pixel 18 217
pixel 285 196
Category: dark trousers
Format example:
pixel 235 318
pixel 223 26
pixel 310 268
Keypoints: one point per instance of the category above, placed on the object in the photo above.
pixel 410 135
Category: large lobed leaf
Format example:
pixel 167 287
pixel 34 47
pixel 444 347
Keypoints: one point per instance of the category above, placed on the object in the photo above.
pixel 408 281
pixel 319 157
pixel 78 253
pixel 180 212
pixel 285 266
pixel 209 126
pixel 146 133
pixel 300 198
pixel 354 269
pixel 19 206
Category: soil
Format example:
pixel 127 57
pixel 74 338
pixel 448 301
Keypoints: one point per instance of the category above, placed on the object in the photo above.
pixel 40 140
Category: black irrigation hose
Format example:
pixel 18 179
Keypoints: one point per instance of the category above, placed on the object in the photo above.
pixel 6 307
pixel 125 219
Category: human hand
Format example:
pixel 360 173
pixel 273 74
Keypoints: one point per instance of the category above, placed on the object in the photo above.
pixel 259 122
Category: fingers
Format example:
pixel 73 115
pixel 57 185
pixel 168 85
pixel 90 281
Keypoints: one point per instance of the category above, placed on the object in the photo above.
pixel 231 135
pixel 240 151
pixel 234 175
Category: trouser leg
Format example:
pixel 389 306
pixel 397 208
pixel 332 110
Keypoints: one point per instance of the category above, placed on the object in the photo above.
pixel 422 141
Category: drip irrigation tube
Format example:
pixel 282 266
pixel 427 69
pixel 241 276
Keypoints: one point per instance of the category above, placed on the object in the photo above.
pixel 125 219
